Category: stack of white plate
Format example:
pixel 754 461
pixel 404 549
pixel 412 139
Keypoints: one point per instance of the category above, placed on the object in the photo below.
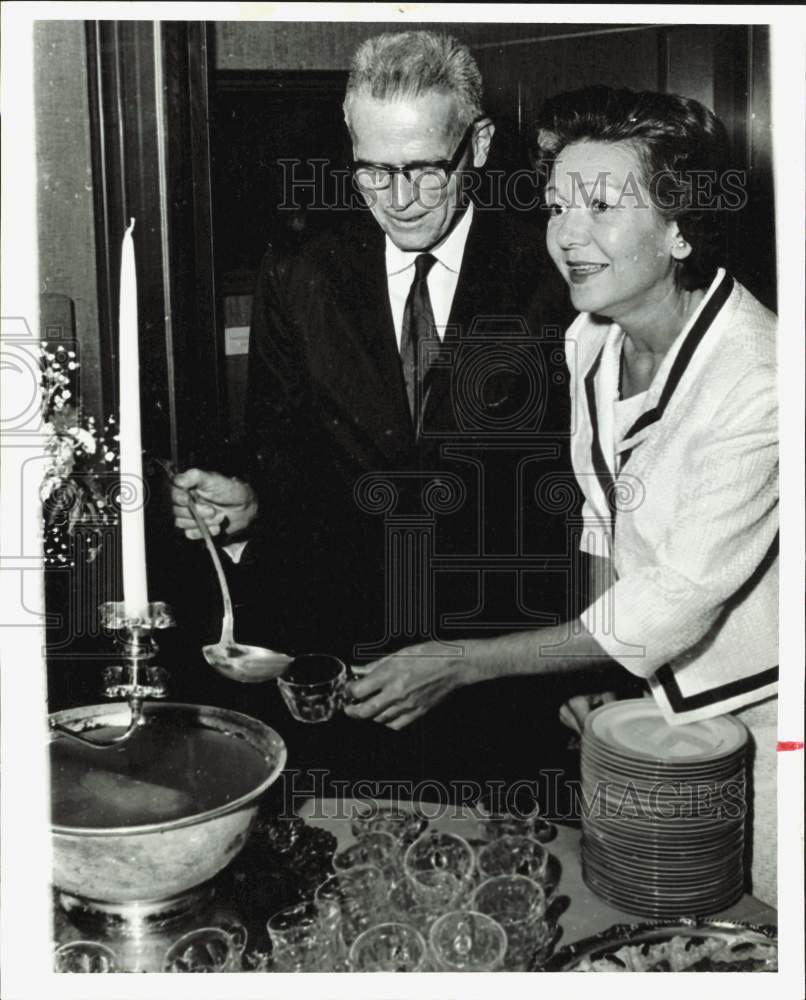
pixel 663 810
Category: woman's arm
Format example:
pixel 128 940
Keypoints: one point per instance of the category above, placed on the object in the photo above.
pixel 405 685
pixel 720 536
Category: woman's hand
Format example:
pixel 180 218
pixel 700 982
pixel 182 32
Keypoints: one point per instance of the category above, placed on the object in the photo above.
pixel 402 687
pixel 227 505
pixel 574 711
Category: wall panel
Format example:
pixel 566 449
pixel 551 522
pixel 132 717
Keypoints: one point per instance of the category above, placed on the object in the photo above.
pixel 65 189
pixel 329 45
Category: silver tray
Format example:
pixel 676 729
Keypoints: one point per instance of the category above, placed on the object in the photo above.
pixel 656 932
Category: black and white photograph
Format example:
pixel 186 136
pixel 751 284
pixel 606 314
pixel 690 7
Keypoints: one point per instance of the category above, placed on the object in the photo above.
pixel 403 476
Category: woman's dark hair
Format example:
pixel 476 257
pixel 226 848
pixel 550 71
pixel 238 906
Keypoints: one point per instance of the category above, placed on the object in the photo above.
pixel 681 147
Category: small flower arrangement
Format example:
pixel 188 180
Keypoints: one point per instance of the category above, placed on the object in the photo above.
pixel 78 488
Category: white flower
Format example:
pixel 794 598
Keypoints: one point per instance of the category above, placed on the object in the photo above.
pixel 49 484
pixel 84 439
pixel 70 439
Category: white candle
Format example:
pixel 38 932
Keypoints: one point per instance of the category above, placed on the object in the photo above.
pixel 132 519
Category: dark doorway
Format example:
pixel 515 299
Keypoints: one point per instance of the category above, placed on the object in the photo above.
pixel 280 163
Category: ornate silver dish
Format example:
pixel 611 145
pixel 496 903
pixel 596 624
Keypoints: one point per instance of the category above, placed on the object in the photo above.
pixel 672 946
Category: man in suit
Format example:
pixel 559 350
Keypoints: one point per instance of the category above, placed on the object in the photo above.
pixel 406 407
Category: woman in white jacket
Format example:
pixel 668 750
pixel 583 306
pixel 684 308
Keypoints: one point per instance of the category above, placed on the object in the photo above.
pixel 674 437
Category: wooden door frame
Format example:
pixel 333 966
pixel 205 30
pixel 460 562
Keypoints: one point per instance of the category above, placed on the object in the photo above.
pixel 148 100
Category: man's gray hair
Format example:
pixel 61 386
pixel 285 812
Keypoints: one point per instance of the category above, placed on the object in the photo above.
pixel 412 63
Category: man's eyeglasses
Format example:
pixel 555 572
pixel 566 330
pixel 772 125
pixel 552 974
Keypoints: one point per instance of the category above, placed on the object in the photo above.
pixel 422 175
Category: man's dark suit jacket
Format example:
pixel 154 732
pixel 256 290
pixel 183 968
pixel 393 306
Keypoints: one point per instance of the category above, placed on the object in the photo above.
pixel 370 539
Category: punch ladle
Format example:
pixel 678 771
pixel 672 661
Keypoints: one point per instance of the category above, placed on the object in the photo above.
pixel 248 664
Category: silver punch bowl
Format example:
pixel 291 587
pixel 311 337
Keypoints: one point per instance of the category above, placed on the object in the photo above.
pixel 142 864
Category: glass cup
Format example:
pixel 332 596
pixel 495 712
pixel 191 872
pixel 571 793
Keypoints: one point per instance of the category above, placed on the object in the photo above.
pixel 439 854
pixel 440 891
pixel 293 924
pixel 209 949
pixel 404 826
pixel 303 955
pixel 467 941
pixel 515 818
pixel 513 856
pixel 380 850
pixel 518 904
pixel 84 956
pixel 315 949
pixel 359 895
pixel 411 902
pixel 331 935
pixel 306 938
pixel 543 831
pixel 312 687
pixel 237 932
pixel 390 947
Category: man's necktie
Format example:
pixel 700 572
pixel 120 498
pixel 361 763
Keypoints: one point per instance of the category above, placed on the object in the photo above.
pixel 418 327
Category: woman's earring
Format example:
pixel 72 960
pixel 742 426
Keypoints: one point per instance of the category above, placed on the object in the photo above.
pixel 681 248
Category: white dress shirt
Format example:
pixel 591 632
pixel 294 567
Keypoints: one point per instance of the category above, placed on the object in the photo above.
pixel 442 278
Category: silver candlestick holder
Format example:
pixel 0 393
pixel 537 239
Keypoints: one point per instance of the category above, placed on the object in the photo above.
pixel 137 678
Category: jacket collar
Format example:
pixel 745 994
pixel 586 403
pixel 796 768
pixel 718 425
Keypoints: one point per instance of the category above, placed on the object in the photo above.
pixel 448 252
pixel 660 392
pixel 689 341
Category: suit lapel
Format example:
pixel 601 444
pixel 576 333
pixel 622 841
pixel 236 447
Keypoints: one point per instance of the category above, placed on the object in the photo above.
pixel 600 467
pixel 471 300
pixel 361 289
pixel 487 293
pixel 477 277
